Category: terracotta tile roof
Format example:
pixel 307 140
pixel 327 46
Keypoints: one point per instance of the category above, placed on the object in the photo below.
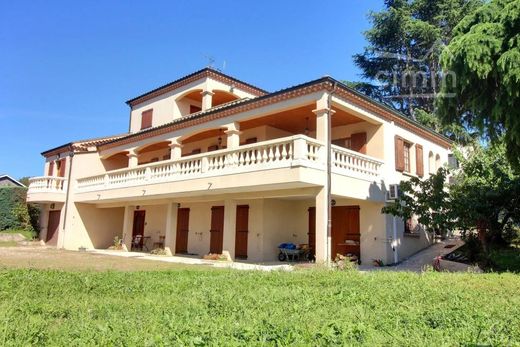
pixel 206 72
pixel 81 145
pixel 324 83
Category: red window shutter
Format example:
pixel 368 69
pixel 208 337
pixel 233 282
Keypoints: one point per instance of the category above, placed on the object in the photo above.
pixel 146 119
pixel 419 160
pixel 399 153
pixel 61 173
pixel 358 142
pixel 51 168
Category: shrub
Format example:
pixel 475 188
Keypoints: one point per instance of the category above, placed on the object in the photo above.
pixel 15 213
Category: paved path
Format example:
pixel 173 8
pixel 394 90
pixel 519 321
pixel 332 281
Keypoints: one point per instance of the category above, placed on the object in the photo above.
pixel 423 258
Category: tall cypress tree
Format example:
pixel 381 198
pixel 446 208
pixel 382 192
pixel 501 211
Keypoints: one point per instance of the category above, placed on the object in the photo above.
pixel 401 60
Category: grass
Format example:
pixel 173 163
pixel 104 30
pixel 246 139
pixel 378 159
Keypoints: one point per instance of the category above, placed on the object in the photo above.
pixel 225 307
pixel 505 259
pixel 29 235
pixel 57 259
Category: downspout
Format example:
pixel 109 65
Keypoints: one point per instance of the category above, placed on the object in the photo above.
pixel 394 241
pixel 329 173
pixel 67 194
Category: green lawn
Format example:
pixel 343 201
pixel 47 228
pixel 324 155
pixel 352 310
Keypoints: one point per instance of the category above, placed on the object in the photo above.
pixel 29 235
pixel 225 307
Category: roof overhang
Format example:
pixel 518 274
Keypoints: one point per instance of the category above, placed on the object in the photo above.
pixel 325 84
pixel 204 73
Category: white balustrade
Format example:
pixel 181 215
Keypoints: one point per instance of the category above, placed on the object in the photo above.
pixel 47 184
pixel 272 154
pixel 348 162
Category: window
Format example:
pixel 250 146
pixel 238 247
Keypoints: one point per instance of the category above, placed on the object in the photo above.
pixel 431 163
pixel 343 142
pixel 406 156
pixel 403 159
pixel 146 119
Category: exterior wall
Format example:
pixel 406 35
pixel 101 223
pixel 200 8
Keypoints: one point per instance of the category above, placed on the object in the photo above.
pixel 283 221
pixel 409 244
pixel 91 227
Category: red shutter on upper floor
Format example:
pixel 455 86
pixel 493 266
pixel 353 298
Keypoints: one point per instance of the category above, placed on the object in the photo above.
pixel 399 153
pixel 419 160
pixel 51 169
pixel 62 164
pixel 146 119
pixel 358 142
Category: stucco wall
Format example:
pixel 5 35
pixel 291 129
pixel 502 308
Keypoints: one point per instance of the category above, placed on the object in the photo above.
pixel 92 227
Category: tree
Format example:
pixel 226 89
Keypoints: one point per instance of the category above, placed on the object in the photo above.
pixel 427 199
pixel 484 58
pixel 401 61
pixel 484 196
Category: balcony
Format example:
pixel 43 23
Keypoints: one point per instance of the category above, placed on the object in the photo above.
pixel 267 156
pixel 47 189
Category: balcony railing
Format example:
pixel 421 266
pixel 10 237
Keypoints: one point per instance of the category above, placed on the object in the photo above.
pixel 298 150
pixel 47 184
pixel 351 163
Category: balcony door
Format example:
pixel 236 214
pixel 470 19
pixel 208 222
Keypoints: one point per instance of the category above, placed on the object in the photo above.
pixel 183 222
pixel 217 230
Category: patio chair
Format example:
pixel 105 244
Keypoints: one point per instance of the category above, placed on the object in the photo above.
pixel 137 243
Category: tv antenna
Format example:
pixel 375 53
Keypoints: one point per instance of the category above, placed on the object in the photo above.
pixel 210 60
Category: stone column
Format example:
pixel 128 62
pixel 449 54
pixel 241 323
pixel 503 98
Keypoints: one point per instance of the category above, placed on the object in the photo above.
pixel 127 227
pixel 323 208
pixel 175 148
pixel 171 228
pixel 132 158
pixel 207 99
pixel 230 215
pixel 44 221
pixel 233 135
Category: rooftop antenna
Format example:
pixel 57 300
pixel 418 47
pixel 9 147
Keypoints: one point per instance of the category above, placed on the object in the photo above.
pixel 223 65
pixel 210 59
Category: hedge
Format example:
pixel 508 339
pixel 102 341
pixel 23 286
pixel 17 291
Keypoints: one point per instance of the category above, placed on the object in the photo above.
pixel 15 213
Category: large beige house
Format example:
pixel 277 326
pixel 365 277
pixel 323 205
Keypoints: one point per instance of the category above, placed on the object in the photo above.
pixel 211 164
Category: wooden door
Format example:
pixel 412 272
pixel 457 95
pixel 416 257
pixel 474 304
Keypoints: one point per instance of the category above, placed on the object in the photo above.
pixel 242 231
pixel 217 230
pixel 345 233
pixel 52 228
pixel 138 227
pixel 358 142
pixel 312 230
pixel 183 222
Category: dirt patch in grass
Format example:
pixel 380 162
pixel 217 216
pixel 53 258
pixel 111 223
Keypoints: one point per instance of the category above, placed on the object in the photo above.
pixel 50 258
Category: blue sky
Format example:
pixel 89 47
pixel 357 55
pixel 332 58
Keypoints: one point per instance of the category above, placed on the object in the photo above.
pixel 66 68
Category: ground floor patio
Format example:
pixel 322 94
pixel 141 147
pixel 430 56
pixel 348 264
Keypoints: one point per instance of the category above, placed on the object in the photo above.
pixel 248 227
